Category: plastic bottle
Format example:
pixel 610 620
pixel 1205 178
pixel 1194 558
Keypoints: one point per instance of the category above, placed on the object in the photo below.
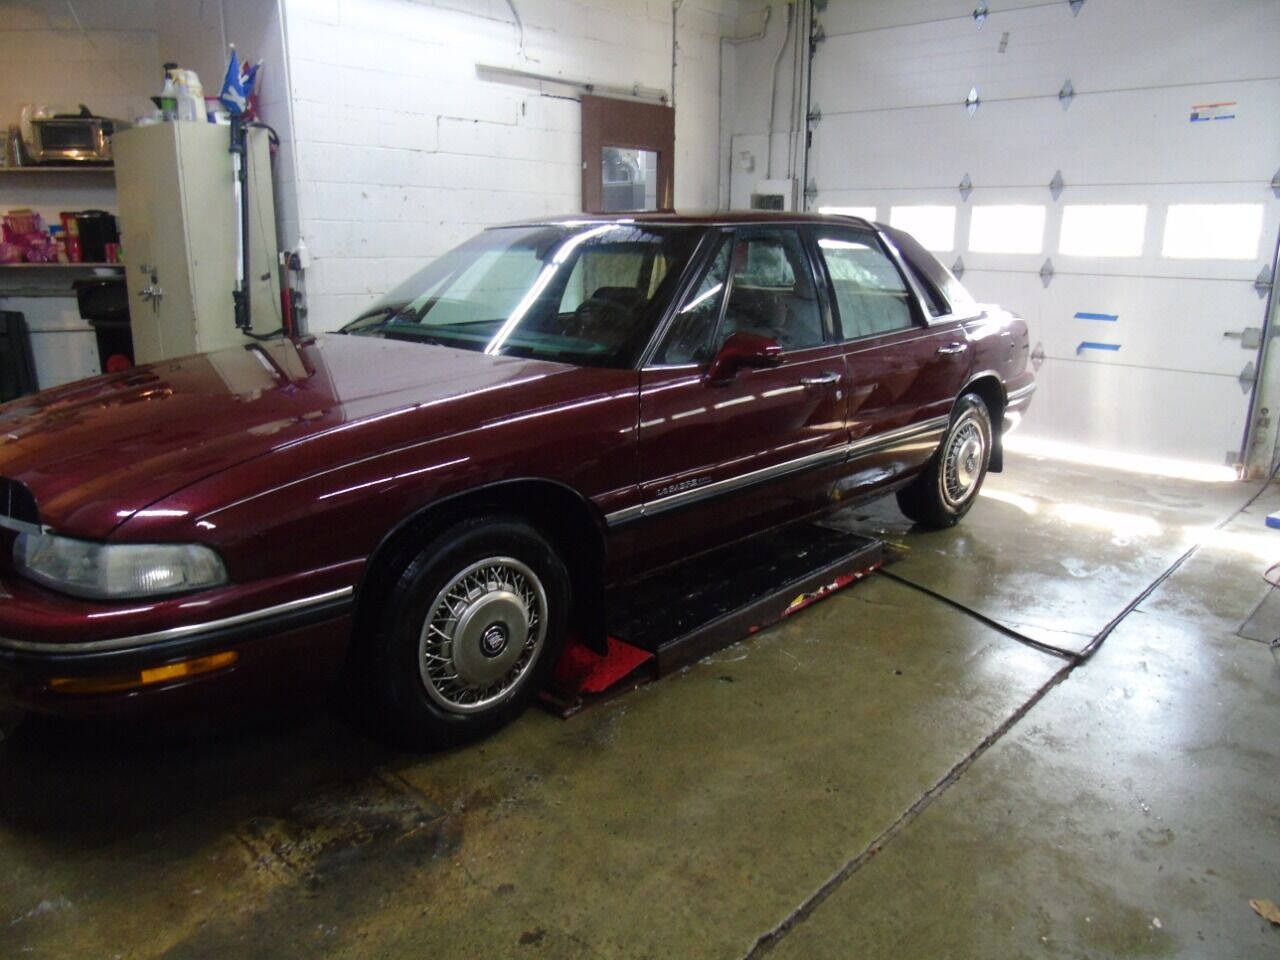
pixel 190 95
pixel 169 100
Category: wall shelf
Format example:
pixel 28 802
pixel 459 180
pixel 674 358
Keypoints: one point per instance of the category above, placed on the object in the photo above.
pixel 62 168
pixel 59 266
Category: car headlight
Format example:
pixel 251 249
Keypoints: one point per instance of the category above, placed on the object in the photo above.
pixel 116 571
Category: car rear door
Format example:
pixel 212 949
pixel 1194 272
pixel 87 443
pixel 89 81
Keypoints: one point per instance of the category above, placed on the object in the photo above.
pixel 722 460
pixel 907 356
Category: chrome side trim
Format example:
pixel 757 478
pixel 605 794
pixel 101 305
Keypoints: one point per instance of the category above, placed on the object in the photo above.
pixel 909 432
pixel 1021 392
pixel 625 515
pixel 175 633
pixel 729 484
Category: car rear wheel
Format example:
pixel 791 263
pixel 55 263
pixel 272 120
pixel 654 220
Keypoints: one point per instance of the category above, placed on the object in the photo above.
pixel 471 629
pixel 948 486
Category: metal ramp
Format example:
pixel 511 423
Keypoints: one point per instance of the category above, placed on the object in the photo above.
pixel 674 618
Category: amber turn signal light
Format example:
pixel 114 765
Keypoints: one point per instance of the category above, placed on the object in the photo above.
pixel 114 682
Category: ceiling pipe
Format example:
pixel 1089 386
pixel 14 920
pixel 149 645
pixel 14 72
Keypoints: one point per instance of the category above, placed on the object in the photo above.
pixel 773 96
pixel 675 46
pixel 726 195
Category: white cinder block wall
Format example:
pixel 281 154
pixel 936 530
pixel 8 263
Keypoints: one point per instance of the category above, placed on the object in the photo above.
pixel 747 141
pixel 403 150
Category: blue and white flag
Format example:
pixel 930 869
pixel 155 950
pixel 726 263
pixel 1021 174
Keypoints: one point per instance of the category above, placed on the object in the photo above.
pixel 234 91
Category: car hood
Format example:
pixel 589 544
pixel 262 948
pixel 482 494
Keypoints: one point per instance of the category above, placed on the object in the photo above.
pixel 96 452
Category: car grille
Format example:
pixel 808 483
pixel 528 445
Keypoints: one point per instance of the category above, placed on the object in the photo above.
pixel 16 502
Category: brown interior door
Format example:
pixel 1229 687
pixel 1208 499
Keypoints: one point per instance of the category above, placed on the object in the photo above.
pixel 628 155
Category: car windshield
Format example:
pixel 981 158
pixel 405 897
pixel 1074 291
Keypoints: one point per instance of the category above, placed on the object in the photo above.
pixel 583 293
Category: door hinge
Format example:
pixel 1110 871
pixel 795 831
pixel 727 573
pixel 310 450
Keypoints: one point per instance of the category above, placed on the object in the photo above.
pixel 1066 94
pixel 1247 377
pixel 972 101
pixel 1263 281
pixel 1046 271
pixel 965 187
pixel 1056 185
pixel 958 268
pixel 816 36
pixel 980 14
pixel 1075 6
pixel 1037 356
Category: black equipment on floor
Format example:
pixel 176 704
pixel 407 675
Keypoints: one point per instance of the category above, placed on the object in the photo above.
pixel 104 303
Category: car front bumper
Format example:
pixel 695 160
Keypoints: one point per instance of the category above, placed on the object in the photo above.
pixel 270 642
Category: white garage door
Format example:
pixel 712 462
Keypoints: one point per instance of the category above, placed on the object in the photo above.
pixel 1166 213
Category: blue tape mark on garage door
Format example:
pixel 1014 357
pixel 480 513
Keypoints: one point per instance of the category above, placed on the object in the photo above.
pixel 1091 345
pixel 1111 317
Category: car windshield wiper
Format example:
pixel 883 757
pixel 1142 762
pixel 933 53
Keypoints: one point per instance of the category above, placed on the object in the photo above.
pixel 402 334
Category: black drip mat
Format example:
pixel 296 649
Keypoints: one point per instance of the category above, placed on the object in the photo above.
pixel 713 601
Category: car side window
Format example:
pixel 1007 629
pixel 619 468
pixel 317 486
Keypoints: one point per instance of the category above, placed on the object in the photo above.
pixel 871 293
pixel 692 333
pixel 772 292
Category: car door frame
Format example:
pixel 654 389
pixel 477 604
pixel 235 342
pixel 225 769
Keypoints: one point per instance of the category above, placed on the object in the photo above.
pixel 829 351
pixel 892 449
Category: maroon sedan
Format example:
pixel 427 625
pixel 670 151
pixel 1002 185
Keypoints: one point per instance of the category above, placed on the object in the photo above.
pixel 428 501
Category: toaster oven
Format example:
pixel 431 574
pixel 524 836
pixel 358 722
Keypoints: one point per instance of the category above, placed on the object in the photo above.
pixel 72 139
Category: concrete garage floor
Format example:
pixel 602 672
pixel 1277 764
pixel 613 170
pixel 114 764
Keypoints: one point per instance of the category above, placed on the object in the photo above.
pixel 881 775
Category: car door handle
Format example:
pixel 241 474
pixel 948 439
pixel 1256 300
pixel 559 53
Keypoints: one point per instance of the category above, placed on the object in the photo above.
pixel 952 348
pixel 820 380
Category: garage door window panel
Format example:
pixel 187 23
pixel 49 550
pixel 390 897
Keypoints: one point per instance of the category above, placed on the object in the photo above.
pixel 1103 230
pixel 1007 228
pixel 934 226
pixel 1212 231
pixel 872 296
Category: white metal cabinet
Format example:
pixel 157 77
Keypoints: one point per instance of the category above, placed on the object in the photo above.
pixel 178 232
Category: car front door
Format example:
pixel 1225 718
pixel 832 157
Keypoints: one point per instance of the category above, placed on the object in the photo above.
pixel 725 454
pixel 905 367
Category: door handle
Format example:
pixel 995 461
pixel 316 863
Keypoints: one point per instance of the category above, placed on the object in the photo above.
pixel 821 380
pixel 952 348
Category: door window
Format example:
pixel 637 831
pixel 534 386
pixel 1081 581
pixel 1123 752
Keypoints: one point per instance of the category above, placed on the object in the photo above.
pixel 772 292
pixel 628 179
pixel 692 334
pixel 871 294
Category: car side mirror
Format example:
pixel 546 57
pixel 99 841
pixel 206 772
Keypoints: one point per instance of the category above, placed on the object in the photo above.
pixel 743 350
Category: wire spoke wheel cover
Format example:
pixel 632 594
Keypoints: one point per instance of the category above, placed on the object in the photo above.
pixel 963 461
pixel 482 635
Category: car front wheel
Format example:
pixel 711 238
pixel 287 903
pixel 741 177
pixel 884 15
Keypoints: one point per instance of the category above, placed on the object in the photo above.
pixel 472 628
pixel 946 488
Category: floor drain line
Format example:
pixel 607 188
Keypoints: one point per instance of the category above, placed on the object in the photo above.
pixel 982 618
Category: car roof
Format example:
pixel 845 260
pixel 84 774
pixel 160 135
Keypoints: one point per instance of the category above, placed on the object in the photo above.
pixel 693 218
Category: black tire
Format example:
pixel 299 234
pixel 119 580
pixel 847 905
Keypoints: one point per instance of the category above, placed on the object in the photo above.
pixel 477 579
pixel 948 486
